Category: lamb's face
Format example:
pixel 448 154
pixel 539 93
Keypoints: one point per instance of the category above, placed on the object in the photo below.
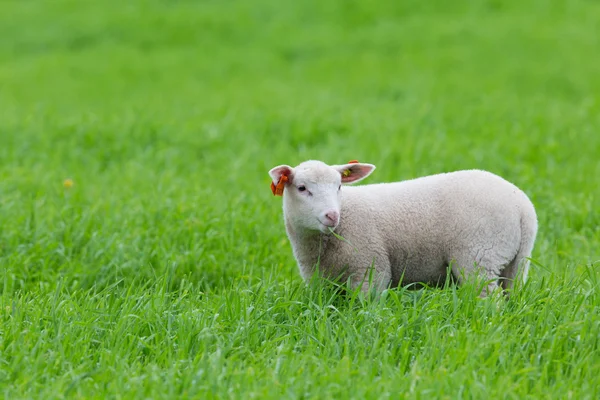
pixel 312 198
pixel 312 195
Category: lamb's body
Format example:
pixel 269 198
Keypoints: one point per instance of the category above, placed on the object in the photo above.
pixel 411 231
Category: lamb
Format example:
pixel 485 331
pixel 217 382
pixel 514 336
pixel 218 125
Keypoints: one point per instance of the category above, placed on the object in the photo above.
pixel 383 235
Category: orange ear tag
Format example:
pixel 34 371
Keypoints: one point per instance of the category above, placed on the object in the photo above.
pixel 278 190
pixel 347 172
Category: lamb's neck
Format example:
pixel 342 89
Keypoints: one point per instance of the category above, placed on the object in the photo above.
pixel 308 246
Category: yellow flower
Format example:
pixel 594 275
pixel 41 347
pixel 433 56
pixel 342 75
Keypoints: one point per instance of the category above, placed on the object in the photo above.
pixel 68 183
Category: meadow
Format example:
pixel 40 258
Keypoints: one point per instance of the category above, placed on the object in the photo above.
pixel 143 255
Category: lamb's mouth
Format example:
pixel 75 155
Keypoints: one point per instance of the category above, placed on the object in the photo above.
pixel 325 228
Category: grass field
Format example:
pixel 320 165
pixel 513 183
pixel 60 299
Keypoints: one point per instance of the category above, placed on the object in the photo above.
pixel 164 271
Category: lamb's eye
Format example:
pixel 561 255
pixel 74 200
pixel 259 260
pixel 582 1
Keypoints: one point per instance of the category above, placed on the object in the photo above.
pixel 301 188
pixel 340 187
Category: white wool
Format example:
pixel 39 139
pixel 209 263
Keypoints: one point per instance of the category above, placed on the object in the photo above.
pixel 409 231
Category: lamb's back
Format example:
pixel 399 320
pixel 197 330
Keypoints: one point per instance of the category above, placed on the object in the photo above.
pixel 466 195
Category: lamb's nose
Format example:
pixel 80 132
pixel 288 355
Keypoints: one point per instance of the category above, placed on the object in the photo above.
pixel 333 217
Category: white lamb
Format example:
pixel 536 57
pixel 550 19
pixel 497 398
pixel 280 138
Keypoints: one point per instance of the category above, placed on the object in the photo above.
pixel 405 232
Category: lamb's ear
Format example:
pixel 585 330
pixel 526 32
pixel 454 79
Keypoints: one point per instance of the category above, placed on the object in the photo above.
pixel 279 171
pixel 280 175
pixel 354 172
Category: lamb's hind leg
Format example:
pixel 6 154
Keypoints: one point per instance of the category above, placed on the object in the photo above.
pixel 519 267
pixel 488 267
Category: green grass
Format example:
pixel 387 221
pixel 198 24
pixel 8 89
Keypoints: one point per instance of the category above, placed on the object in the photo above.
pixel 165 272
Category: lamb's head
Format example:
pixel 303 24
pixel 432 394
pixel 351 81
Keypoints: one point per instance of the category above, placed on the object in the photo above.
pixel 312 192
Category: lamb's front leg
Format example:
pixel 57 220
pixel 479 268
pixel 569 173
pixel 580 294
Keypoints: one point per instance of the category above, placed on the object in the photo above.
pixel 376 277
